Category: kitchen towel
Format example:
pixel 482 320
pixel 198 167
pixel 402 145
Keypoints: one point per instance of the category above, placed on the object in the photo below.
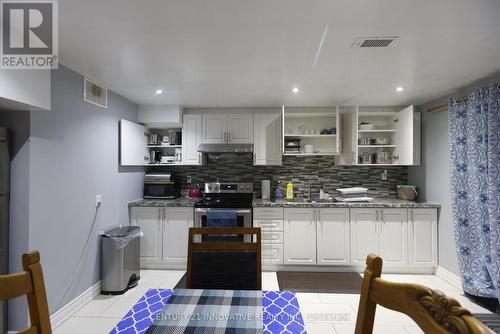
pixel 222 218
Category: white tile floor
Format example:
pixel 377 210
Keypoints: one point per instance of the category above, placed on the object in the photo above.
pixel 322 312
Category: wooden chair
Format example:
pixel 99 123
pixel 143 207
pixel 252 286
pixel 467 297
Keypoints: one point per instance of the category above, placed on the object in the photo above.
pixel 430 309
pixel 30 283
pixel 224 265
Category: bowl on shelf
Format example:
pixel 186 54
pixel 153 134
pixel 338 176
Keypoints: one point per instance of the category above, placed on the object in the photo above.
pixel 366 126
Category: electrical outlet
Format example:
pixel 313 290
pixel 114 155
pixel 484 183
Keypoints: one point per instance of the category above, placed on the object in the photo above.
pixel 98 200
pixel 188 179
pixel 384 175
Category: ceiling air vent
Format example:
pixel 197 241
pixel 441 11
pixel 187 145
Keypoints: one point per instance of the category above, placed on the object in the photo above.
pixel 375 42
pixel 95 93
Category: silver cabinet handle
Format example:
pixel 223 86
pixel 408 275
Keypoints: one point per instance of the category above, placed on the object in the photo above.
pixel 376 223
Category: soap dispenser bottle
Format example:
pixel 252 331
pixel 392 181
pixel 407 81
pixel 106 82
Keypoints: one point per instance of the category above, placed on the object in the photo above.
pixel 289 191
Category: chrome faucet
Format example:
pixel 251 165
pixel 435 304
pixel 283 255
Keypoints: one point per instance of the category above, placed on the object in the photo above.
pixel 309 185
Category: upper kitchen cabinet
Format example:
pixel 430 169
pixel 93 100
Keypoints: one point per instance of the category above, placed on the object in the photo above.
pixel 133 144
pixel 267 139
pixel 380 136
pixel 311 131
pixel 234 128
pixel 191 139
pixel 141 146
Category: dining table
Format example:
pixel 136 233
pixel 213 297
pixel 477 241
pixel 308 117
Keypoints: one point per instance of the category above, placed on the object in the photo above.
pixel 162 311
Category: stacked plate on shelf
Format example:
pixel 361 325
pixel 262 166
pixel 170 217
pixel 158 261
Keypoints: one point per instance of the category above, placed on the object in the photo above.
pixel 355 194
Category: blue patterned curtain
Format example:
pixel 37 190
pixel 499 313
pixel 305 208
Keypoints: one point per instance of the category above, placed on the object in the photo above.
pixel 473 128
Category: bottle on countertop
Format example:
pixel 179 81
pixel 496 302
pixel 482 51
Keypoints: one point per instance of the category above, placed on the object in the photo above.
pixel 289 191
pixel 279 193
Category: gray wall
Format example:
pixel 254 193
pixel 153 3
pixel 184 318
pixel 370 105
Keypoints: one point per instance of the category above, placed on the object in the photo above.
pixel 433 176
pixel 18 123
pixel 73 156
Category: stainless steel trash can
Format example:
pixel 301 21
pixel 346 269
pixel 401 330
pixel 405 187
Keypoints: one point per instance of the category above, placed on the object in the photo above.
pixel 120 267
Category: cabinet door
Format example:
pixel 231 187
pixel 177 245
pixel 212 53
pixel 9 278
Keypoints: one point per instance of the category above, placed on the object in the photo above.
pixel 300 236
pixel 267 139
pixel 333 236
pixel 214 128
pixel 422 237
pixel 393 236
pixel 272 254
pixel 133 144
pixel 364 235
pixel 176 224
pixel 191 139
pixel 150 221
pixel 407 138
pixel 240 128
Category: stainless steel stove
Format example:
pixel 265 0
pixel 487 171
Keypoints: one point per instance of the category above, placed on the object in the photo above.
pixel 225 205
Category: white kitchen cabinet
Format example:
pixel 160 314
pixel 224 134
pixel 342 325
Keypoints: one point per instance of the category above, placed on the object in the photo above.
pixel 165 240
pixel 299 236
pixel 214 128
pixel 364 237
pixel 177 222
pixel 191 139
pixel 227 128
pixel 422 237
pixel 133 144
pixel 393 237
pixel 267 139
pixel 270 221
pixel 240 128
pixel 397 129
pixel 380 231
pixel 272 254
pixel 333 236
pixel 150 220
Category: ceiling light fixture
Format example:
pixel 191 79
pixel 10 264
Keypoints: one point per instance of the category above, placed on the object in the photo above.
pixel 295 90
pixel 399 89
pixel 159 91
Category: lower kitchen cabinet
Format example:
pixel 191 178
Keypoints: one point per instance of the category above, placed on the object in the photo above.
pixel 393 237
pixel 380 231
pixel 299 236
pixel 364 237
pixel 150 221
pixel 422 237
pixel 177 222
pixel 333 236
pixel 165 240
pixel 270 221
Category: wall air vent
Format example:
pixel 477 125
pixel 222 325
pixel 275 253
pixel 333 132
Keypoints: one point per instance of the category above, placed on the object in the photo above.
pixel 375 42
pixel 95 93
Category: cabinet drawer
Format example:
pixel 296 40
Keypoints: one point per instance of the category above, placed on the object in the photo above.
pixel 268 213
pixel 272 254
pixel 269 224
pixel 272 237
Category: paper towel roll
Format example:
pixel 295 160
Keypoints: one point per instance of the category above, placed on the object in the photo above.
pixel 266 189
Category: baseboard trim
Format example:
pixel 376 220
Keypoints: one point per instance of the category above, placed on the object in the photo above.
pixel 65 312
pixel 449 277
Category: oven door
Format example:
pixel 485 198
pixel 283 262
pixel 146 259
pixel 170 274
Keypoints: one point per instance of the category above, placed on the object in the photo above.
pixel 243 219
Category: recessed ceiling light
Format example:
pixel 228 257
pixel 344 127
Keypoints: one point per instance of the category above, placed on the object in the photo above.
pixel 295 90
pixel 159 91
pixel 399 89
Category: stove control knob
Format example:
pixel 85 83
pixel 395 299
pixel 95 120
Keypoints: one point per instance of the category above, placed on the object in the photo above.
pixel 210 188
pixel 216 187
pixel 247 187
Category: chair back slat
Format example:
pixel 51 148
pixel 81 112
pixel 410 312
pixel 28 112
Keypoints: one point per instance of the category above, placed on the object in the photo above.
pixel 15 285
pixel 29 282
pixel 430 309
pixel 228 265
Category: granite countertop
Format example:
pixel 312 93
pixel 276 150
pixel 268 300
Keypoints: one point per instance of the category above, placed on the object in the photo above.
pixel 181 201
pixel 376 203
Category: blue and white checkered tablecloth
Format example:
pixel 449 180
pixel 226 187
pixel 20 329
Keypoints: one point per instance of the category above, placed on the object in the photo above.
pixel 280 311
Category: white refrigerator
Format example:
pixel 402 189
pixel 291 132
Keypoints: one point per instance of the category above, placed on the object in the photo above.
pixel 4 216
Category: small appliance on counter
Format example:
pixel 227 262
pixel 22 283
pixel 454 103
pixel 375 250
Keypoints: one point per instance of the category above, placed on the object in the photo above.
pixel 161 186
pixel 266 189
pixel 407 192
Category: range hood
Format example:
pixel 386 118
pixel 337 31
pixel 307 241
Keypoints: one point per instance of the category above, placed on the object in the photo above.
pixel 225 148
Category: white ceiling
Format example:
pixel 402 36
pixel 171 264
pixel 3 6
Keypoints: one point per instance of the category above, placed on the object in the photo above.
pixel 252 52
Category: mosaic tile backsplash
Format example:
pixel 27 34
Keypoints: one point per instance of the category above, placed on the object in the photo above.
pixel 297 169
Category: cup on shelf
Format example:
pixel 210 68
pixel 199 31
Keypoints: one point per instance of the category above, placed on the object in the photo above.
pixel 308 148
